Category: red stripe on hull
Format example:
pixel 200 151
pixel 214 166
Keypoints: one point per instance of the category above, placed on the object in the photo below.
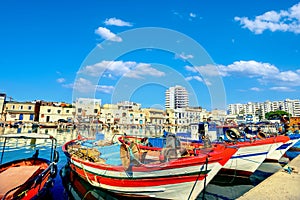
pixel 145 182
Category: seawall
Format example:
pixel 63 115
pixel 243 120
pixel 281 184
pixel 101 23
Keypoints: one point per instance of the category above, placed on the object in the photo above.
pixel 284 184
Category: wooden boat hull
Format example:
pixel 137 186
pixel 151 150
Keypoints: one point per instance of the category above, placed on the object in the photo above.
pixel 27 178
pixel 189 175
pixel 33 173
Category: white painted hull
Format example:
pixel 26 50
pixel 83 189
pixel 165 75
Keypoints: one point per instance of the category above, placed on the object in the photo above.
pixel 280 150
pixel 177 191
pixel 249 158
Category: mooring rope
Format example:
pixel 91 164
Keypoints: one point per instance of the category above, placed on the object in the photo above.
pixel 206 163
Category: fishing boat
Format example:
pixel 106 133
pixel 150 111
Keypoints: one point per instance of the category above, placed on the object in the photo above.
pixel 253 149
pixel 282 149
pixel 130 170
pixel 26 178
pixel 249 156
pixel 293 151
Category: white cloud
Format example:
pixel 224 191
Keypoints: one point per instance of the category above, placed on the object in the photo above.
pixel 82 85
pixel 193 15
pixel 255 89
pixel 207 70
pixel 264 72
pixel 184 56
pixel 116 22
pixel 85 86
pixel 249 68
pixel 60 80
pixel 107 34
pixel 198 78
pixel 191 69
pixel 105 89
pixel 282 89
pixel 120 68
pixel 284 20
pixel 143 69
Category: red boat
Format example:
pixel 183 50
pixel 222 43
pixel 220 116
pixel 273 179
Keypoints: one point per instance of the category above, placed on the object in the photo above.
pixel 27 178
pixel 249 156
pixel 127 170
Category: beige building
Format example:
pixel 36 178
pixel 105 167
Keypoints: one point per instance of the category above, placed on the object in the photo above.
pixel 2 102
pixel 52 112
pixel 154 116
pixel 185 116
pixel 123 113
pixel 19 111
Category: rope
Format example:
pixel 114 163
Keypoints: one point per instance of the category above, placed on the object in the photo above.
pixel 88 177
pixel 206 163
pixel 204 189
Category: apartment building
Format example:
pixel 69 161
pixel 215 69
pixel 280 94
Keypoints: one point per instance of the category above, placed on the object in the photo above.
pixel 176 97
pixel 261 108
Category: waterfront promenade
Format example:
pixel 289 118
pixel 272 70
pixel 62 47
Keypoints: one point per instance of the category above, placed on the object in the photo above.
pixel 281 185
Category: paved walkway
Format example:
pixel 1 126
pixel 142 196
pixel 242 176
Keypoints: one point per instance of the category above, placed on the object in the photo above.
pixel 281 185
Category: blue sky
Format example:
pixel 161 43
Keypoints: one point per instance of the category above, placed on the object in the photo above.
pixel 134 50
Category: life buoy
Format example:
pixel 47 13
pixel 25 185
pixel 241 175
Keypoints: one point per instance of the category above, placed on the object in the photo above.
pixel 261 135
pixel 232 134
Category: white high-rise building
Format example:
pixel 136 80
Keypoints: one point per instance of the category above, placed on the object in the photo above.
pixel 255 108
pixel 177 97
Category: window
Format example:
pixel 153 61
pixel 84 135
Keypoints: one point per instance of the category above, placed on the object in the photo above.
pixel 21 107
pixel 29 107
pixel 48 110
pixel 95 110
pixel 79 110
pixel 67 111
pixel 58 111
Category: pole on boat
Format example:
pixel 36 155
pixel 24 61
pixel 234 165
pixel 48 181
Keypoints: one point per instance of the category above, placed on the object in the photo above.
pixel 3 150
pixel 204 189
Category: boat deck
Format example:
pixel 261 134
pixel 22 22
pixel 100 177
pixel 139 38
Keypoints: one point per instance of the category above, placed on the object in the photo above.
pixel 15 176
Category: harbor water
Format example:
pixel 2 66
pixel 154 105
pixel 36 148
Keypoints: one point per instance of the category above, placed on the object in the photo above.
pixel 217 189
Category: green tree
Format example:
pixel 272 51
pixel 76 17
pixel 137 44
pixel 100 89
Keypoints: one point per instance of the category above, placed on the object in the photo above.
pixel 273 115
